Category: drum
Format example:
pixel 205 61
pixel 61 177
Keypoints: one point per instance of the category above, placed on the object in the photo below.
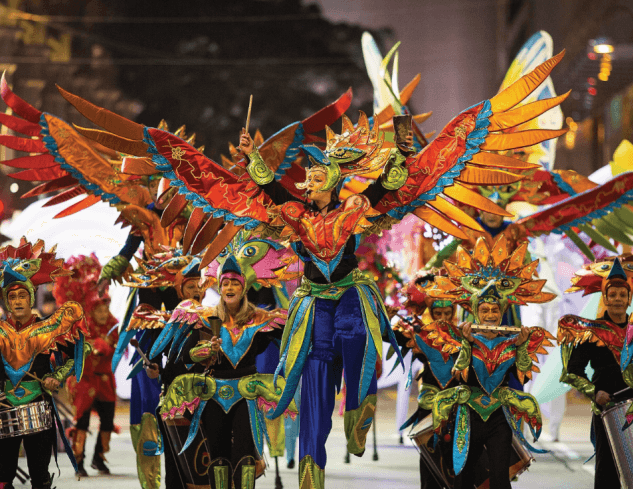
pixel 439 458
pixel 621 441
pixel 193 464
pixel 26 419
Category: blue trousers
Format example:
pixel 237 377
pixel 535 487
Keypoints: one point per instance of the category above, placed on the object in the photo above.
pixel 338 345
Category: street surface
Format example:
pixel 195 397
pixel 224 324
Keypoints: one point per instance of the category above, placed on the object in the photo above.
pixel 396 467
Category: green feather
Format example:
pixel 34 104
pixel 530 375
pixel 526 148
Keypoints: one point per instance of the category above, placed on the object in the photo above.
pixel 581 244
pixel 597 237
pixel 614 231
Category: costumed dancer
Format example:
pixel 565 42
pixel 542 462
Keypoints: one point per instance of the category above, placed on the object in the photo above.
pixel 27 375
pixel 486 282
pixel 232 423
pixel 605 343
pixel 70 165
pixel 333 296
pixel 326 310
pixel 264 263
pixel 437 361
pixel 181 273
pixel 97 388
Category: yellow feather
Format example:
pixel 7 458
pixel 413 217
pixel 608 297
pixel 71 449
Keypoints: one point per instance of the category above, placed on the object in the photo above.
pixel 522 139
pixel 524 113
pixel 474 199
pixel 520 89
pixel 476 175
pixel 454 213
pixel 499 161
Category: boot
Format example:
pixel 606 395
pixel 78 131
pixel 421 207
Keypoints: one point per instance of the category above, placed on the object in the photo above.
pixel 102 446
pixel 79 445
pixel 311 476
pixel 244 473
pixel 222 474
pixel 81 471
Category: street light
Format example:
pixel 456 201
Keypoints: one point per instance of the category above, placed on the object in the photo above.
pixel 603 48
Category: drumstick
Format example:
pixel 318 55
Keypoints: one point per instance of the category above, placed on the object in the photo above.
pixel 248 115
pixel 621 392
pixel 134 343
pixel 34 377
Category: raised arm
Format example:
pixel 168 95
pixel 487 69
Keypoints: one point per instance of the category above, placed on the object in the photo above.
pixel 261 174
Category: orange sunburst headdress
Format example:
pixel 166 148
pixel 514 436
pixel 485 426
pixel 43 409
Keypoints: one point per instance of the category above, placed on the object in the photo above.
pixel 28 266
pixel 490 275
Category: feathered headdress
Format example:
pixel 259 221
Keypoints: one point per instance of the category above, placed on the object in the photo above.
pixel 81 285
pixel 486 275
pixel 599 275
pixel 171 268
pixel 256 260
pixel 28 266
pixel 356 151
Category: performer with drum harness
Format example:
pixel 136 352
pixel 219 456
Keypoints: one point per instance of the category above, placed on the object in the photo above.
pixel 27 376
pixel 411 334
pixel 228 401
pixel 486 282
pixel 605 343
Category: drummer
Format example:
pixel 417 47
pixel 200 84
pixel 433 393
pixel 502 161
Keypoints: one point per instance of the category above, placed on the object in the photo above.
pixel 26 375
pixel 436 372
pixel 607 379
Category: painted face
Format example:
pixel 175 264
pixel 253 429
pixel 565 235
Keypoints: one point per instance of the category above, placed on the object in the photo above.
pixel 492 283
pixel 231 291
pixel 315 180
pixel 442 314
pixel 101 313
pixel 153 189
pixel 491 220
pixel 617 300
pixel 191 290
pixel 489 314
pixel 20 304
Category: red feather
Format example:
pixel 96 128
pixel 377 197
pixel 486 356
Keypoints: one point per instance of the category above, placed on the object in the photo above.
pixel 79 206
pixel 41 174
pixel 51 186
pixel 327 115
pixel 23 144
pixel 18 105
pixel 20 125
pixel 32 162
pixel 65 195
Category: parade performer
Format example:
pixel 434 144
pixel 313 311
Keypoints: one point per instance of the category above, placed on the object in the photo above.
pixel 167 269
pixel 70 165
pixel 413 334
pixel 97 388
pixel 486 282
pixel 27 375
pixel 326 311
pixel 233 422
pixel 264 264
pixel 606 344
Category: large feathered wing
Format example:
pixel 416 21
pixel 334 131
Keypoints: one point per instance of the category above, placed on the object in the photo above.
pixel 218 195
pixel 466 152
pixel 68 164
pixel 602 212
